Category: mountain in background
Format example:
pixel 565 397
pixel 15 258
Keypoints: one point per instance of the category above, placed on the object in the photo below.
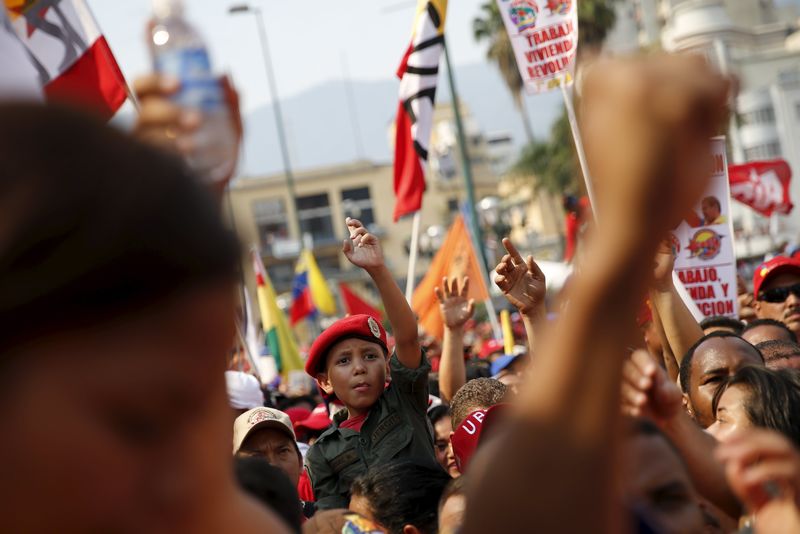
pixel 320 133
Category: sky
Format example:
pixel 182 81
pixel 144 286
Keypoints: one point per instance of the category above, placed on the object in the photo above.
pixel 308 39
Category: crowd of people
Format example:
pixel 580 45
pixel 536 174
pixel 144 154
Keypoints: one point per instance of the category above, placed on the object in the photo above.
pixel 118 302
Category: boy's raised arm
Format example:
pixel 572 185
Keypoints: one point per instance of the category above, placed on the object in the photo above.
pixel 364 250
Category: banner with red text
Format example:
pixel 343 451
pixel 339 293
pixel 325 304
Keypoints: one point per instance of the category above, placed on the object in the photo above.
pixel 703 244
pixel 544 35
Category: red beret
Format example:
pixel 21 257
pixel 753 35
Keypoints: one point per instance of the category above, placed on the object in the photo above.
pixel 359 326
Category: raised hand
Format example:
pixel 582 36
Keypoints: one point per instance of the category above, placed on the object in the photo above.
pixel 456 308
pixel 521 281
pixel 362 248
pixel 647 124
pixel 761 466
pixel 647 391
pixel 163 123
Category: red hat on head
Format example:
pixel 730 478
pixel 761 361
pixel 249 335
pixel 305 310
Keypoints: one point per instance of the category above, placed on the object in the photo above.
pixel 490 347
pixel 297 413
pixel 358 326
pixel 472 431
pixel 777 265
pixel 317 420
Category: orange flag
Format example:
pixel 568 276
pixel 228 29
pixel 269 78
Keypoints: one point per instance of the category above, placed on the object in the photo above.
pixel 456 258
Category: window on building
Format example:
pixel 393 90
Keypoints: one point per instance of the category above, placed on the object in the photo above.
pixel 759 116
pixel 315 218
pixel 357 204
pixel 281 275
pixel 271 222
pixel 764 151
pixel 452 205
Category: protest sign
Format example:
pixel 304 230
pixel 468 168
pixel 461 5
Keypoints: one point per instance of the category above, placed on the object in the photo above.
pixel 544 35
pixel 703 244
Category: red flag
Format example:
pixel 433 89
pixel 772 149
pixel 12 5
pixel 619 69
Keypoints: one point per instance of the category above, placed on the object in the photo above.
pixel 355 305
pixel 418 72
pixel 66 47
pixel 762 185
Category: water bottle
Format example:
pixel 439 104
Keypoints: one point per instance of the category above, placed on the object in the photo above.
pixel 178 50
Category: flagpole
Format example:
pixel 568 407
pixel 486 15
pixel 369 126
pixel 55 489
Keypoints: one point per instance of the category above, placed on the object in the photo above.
pixel 466 167
pixel 412 255
pixel 576 136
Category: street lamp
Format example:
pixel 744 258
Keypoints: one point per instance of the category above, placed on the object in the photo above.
pixel 276 107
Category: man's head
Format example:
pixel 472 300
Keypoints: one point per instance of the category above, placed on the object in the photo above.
pixel 656 481
pixel 712 358
pixel 721 323
pixel 776 288
pixel 780 354
pixel 267 433
pixel 350 360
pixel 711 209
pixel 402 496
pixel 271 487
pixel 452 506
pixel 761 330
pixel 113 257
pixel 477 394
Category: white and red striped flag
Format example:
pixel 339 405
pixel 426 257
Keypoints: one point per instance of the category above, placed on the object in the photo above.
pixel 70 54
pixel 418 73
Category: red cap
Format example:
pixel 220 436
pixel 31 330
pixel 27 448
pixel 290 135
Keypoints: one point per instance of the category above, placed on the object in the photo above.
pixel 317 420
pixel 297 413
pixel 777 265
pixel 471 432
pixel 359 326
pixel 490 347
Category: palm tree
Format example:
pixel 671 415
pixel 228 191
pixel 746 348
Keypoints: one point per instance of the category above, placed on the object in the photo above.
pixel 489 27
pixel 553 161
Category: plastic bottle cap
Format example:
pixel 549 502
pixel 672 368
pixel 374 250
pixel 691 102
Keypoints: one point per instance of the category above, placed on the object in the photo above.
pixel 167 8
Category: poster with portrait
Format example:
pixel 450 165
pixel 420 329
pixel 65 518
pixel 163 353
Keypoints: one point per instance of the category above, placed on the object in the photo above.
pixel 703 245
pixel 544 35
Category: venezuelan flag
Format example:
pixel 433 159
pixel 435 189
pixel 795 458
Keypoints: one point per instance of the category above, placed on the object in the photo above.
pixel 310 291
pixel 277 333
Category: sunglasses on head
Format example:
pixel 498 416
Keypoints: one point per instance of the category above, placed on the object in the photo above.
pixel 779 294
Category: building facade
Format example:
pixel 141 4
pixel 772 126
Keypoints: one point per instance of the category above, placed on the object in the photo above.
pixel 758 42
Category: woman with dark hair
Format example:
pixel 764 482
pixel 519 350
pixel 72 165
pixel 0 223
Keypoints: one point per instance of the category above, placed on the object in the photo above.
pixel 401 496
pixel 757 397
pixel 439 417
pixel 117 305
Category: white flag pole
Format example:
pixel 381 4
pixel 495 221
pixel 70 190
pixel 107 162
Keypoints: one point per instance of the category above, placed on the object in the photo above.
pixel 412 256
pixel 576 136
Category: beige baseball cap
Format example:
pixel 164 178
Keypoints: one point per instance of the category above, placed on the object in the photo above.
pixel 256 418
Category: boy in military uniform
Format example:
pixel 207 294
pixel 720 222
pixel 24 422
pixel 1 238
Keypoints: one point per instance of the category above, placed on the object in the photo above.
pixel 351 360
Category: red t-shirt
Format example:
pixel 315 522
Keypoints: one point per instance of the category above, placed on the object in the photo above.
pixel 354 423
